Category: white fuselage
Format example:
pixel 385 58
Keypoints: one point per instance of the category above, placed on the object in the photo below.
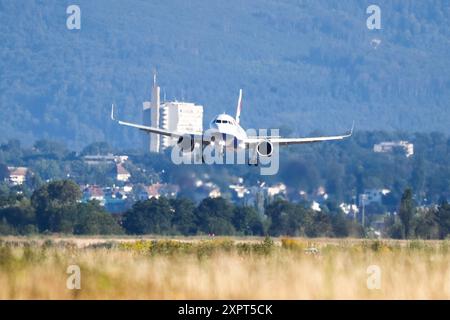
pixel 231 132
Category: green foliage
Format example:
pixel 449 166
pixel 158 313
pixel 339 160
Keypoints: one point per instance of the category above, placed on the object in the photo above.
pixel 55 204
pixel 427 225
pixel 247 221
pixel 406 212
pixel 443 217
pixel 215 216
pixel 4 172
pixel 202 248
pixel 149 217
pixel 93 219
pixel 97 148
pixel 184 220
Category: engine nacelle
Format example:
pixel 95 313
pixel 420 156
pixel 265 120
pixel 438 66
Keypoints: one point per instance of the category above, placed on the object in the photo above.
pixel 264 148
pixel 186 143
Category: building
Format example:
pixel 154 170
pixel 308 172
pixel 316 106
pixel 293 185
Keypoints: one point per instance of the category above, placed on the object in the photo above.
pixel 94 193
pixel 389 146
pixel 122 174
pixel 17 175
pixel 240 190
pixel 174 116
pixel 95 160
pixel 180 117
pixel 157 190
pixel 151 118
pixel 277 190
pixel 372 196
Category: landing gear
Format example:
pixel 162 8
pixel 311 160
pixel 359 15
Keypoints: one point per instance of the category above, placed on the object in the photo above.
pixel 250 162
pixel 253 159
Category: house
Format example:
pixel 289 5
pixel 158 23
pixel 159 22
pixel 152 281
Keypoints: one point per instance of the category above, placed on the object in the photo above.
pixel 389 146
pixel 278 189
pixel 17 175
pixel 157 190
pixel 215 193
pixel 94 193
pixel 348 208
pixel 316 206
pixel 121 173
pixel 239 189
pixel 372 196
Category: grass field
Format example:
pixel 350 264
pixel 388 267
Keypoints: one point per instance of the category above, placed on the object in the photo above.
pixel 228 268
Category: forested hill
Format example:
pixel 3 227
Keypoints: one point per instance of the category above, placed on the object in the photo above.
pixel 306 65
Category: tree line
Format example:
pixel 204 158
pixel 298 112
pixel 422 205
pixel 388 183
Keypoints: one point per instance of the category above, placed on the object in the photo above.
pixel 56 208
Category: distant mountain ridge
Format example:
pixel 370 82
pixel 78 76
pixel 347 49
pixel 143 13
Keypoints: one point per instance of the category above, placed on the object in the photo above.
pixel 303 65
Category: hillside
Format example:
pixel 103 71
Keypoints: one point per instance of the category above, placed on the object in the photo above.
pixel 303 65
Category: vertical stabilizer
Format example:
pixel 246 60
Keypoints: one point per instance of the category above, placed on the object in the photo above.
pixel 239 107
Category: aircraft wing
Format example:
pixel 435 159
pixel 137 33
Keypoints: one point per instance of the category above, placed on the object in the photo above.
pixel 146 128
pixel 288 141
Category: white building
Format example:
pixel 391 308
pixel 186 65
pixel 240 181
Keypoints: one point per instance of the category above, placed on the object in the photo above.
pixel 103 159
pixel 180 117
pixel 17 175
pixel 389 146
pixel 174 116
pixel 151 118
pixel 122 174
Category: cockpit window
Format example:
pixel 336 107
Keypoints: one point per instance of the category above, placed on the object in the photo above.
pixel 223 121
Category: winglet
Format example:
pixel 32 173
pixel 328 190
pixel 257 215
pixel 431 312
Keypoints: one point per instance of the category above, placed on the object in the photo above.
pixel 112 112
pixel 351 130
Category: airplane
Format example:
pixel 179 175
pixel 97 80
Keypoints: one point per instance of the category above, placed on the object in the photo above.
pixel 227 132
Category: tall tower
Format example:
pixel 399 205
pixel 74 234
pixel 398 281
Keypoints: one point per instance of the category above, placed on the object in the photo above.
pixel 151 118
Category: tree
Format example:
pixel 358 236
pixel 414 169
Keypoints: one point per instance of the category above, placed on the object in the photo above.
pixel 406 212
pixel 184 220
pixel 97 148
pixel 321 225
pixel 340 224
pixel 4 172
pixel 426 224
pixel 93 219
pixel 20 215
pixel 152 216
pixel 55 205
pixel 215 215
pixel 418 175
pixel 443 217
pixel 394 228
pixel 51 149
pixel 247 221
pixel 287 218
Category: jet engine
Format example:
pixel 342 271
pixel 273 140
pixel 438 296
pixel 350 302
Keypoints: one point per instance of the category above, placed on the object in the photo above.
pixel 186 143
pixel 264 148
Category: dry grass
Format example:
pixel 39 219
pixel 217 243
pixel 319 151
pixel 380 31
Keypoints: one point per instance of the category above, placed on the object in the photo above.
pixel 224 269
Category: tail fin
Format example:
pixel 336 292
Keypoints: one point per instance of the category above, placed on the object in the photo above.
pixel 239 107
